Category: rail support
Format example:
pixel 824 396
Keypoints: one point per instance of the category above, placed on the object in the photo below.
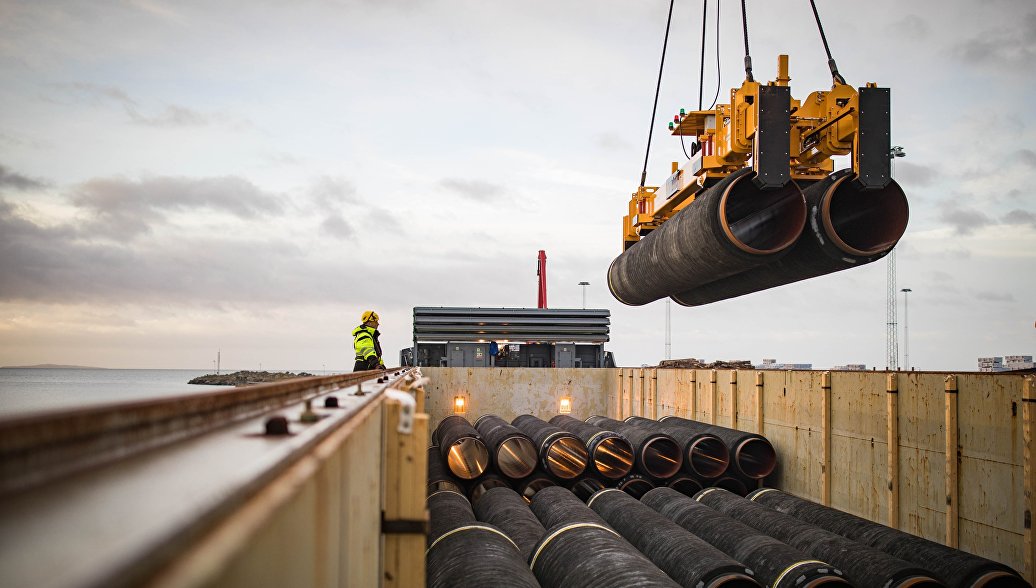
pixel 951 461
pixel 892 441
pixel 404 517
pixel 825 423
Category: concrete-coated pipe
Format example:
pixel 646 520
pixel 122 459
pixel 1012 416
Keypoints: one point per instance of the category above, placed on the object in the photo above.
pixel 439 476
pixel 562 454
pixel 706 455
pixel 611 454
pixel 513 453
pixel 504 508
pixel 462 447
pixel 656 454
pixel 847 228
pixel 751 454
pixel 729 228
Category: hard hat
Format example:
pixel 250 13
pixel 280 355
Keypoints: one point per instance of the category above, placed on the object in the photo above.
pixel 369 315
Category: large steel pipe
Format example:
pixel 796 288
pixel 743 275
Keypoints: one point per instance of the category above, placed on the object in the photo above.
pixel 729 228
pixel 863 565
pixel 656 454
pixel 483 484
pixel 439 476
pixel 705 455
pixel 611 454
pixel 505 508
pixel 462 447
pixel 581 551
pixel 847 228
pixel 562 454
pixel 776 564
pixel 635 485
pixel 955 568
pixel 513 452
pixel 751 454
pixel 456 535
pixel 528 487
pixel 685 557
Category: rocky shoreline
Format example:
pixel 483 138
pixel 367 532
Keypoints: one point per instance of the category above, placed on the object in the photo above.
pixel 246 378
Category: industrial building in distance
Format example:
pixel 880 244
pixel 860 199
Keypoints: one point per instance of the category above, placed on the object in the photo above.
pixel 1007 363
pixel 509 337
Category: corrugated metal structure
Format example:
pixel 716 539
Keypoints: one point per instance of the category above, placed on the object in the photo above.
pixel 509 337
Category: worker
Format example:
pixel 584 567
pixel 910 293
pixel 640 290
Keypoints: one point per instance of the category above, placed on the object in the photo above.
pixel 365 342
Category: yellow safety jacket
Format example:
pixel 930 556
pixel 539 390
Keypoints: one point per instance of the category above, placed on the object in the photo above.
pixel 366 344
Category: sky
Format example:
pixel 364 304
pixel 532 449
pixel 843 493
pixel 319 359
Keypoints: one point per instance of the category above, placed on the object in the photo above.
pixel 184 178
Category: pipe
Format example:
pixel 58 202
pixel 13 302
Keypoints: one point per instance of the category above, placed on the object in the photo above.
pixel 862 565
pixel 847 228
pixel 729 228
pixel 685 485
pixel 505 508
pixel 439 476
pixel 635 485
pixel 956 568
pixel 512 451
pixel 656 454
pixel 706 456
pixel 731 484
pixel 533 484
pixel 581 551
pixel 776 565
pixel 483 484
pixel 587 487
pixel 562 454
pixel 751 454
pixel 462 447
pixel 611 453
pixel 455 535
pixel 684 557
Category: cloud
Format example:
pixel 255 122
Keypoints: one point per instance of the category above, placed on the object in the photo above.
pixel 9 179
pixel 995 296
pixel 120 208
pixel 1026 156
pixel 1020 217
pixel 1007 46
pixel 333 192
pixel 337 227
pixel 915 174
pixel 911 27
pixel 964 220
pixel 172 116
pixel 478 190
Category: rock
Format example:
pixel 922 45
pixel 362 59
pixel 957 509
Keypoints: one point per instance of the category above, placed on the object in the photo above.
pixel 693 363
pixel 246 378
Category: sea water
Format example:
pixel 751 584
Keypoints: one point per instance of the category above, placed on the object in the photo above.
pixel 33 390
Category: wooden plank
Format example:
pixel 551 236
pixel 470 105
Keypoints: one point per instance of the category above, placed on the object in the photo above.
pixel 693 406
pixel 825 425
pixel 1029 456
pixel 713 397
pixel 892 439
pixel 653 397
pixel 951 461
pixel 759 387
pixel 733 399
pixel 405 466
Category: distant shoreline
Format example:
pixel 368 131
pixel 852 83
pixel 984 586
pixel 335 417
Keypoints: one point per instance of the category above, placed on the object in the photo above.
pixel 50 366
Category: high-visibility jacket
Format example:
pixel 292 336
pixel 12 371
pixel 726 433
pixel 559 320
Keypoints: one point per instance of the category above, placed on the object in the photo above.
pixel 365 342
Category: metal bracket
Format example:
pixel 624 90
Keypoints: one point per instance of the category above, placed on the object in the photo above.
pixel 406 413
pixel 403 526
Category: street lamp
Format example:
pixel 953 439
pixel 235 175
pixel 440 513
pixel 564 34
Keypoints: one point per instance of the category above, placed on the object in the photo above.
pixel 584 285
pixel 906 327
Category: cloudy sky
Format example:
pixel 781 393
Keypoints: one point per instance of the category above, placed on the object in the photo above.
pixel 178 178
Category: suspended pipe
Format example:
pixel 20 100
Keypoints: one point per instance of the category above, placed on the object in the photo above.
pixel 656 454
pixel 847 228
pixel 533 484
pixel 635 485
pixel 751 454
pixel 729 228
pixel 562 454
pixel 439 476
pixel 455 535
pixel 863 565
pixel 684 557
pixel 776 564
pixel 512 452
pixel 581 551
pixel 611 454
pixel 705 455
pixel 955 568
pixel 504 508
pixel 462 447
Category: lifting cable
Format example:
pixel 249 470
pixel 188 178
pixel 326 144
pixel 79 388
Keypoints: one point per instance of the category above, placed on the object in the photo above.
pixel 696 147
pixel 837 77
pixel 658 86
pixel 748 56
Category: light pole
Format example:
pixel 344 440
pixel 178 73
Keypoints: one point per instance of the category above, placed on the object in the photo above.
pixel 584 285
pixel 906 331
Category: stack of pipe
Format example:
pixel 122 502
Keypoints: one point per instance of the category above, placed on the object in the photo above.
pixel 657 454
pixel 955 568
pixel 611 454
pixel 513 452
pixel 439 475
pixel 506 509
pixel 776 564
pixel 580 550
pixel 863 565
pixel 686 558
pixel 562 454
pixel 455 536
pixel 751 455
pixel 706 456
pixel 462 447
